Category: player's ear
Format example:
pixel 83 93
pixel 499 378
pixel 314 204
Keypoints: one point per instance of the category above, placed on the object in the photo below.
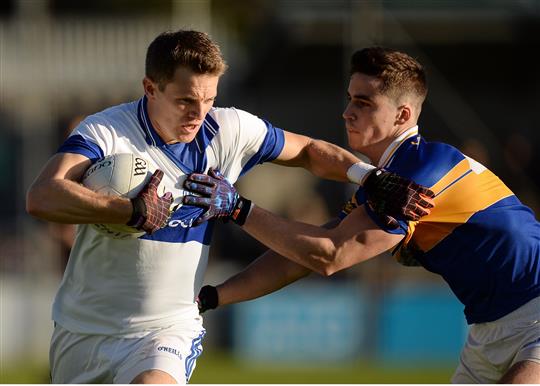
pixel 403 115
pixel 149 87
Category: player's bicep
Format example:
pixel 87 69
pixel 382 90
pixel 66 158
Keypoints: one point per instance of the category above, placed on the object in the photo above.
pixel 360 238
pixel 293 152
pixel 70 166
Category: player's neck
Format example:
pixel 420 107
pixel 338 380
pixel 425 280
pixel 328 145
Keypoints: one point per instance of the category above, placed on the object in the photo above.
pixel 165 137
pixel 374 151
pixel 378 150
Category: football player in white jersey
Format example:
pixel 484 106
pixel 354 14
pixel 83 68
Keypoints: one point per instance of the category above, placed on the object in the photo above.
pixel 125 310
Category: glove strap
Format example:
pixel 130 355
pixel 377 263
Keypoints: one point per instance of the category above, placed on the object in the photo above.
pixel 138 217
pixel 241 211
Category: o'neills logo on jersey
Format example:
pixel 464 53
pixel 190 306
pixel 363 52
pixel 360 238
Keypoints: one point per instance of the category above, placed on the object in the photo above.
pixel 182 223
pixel 170 350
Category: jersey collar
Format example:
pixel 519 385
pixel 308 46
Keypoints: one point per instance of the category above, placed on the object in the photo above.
pixel 152 137
pixel 391 149
pixel 208 129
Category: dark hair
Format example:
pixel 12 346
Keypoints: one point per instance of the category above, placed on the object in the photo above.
pixel 399 73
pixel 191 49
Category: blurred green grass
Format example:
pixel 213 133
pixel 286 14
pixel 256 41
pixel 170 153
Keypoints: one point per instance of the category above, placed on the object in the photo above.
pixel 218 367
pixel 20 372
pixel 221 367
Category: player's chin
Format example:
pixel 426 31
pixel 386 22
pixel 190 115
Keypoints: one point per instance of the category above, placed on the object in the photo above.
pixel 188 135
pixel 356 142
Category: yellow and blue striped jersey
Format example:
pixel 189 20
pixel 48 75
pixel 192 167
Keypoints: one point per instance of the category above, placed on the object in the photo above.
pixel 479 237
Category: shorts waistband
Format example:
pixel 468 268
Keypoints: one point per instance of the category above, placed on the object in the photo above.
pixel 530 309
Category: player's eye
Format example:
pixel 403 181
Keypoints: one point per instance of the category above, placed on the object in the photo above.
pixel 361 103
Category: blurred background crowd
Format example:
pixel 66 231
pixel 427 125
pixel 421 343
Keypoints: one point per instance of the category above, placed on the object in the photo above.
pixel 61 60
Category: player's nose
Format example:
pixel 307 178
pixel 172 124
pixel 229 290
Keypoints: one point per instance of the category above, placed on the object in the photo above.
pixel 197 111
pixel 347 113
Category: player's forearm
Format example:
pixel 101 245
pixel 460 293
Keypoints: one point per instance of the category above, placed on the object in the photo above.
pixel 65 201
pixel 268 273
pixel 310 246
pixel 332 162
pixel 323 159
pixel 327 160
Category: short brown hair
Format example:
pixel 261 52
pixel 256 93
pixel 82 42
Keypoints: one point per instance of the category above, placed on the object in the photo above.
pixel 192 49
pixel 399 73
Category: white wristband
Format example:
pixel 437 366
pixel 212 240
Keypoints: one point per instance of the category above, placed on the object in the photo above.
pixel 358 172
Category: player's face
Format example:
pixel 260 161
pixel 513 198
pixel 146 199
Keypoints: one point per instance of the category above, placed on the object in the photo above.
pixel 178 111
pixel 369 116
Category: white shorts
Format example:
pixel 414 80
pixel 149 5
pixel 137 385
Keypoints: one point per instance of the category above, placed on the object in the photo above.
pixel 79 358
pixel 493 347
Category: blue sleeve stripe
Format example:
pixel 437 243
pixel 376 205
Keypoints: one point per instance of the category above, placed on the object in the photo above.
pixel 270 149
pixel 453 182
pixel 78 145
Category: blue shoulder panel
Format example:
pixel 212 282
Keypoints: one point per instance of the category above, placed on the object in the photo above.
pixel 78 145
pixel 424 162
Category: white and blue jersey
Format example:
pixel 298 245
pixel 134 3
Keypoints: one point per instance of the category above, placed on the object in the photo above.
pixel 130 287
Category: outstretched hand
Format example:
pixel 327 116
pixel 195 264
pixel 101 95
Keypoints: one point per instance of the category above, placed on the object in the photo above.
pixel 217 195
pixel 393 196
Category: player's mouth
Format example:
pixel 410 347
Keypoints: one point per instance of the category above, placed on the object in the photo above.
pixel 351 129
pixel 191 127
pixel 349 125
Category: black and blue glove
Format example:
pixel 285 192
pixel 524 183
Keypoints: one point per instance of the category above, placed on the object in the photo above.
pixel 218 196
pixel 391 195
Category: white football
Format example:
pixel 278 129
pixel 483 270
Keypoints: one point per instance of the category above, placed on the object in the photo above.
pixel 121 174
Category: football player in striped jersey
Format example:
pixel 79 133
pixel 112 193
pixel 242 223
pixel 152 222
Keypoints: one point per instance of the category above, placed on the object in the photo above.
pixel 479 237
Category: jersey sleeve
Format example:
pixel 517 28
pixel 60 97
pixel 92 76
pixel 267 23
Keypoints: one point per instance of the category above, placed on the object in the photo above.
pixel 90 139
pixel 245 140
